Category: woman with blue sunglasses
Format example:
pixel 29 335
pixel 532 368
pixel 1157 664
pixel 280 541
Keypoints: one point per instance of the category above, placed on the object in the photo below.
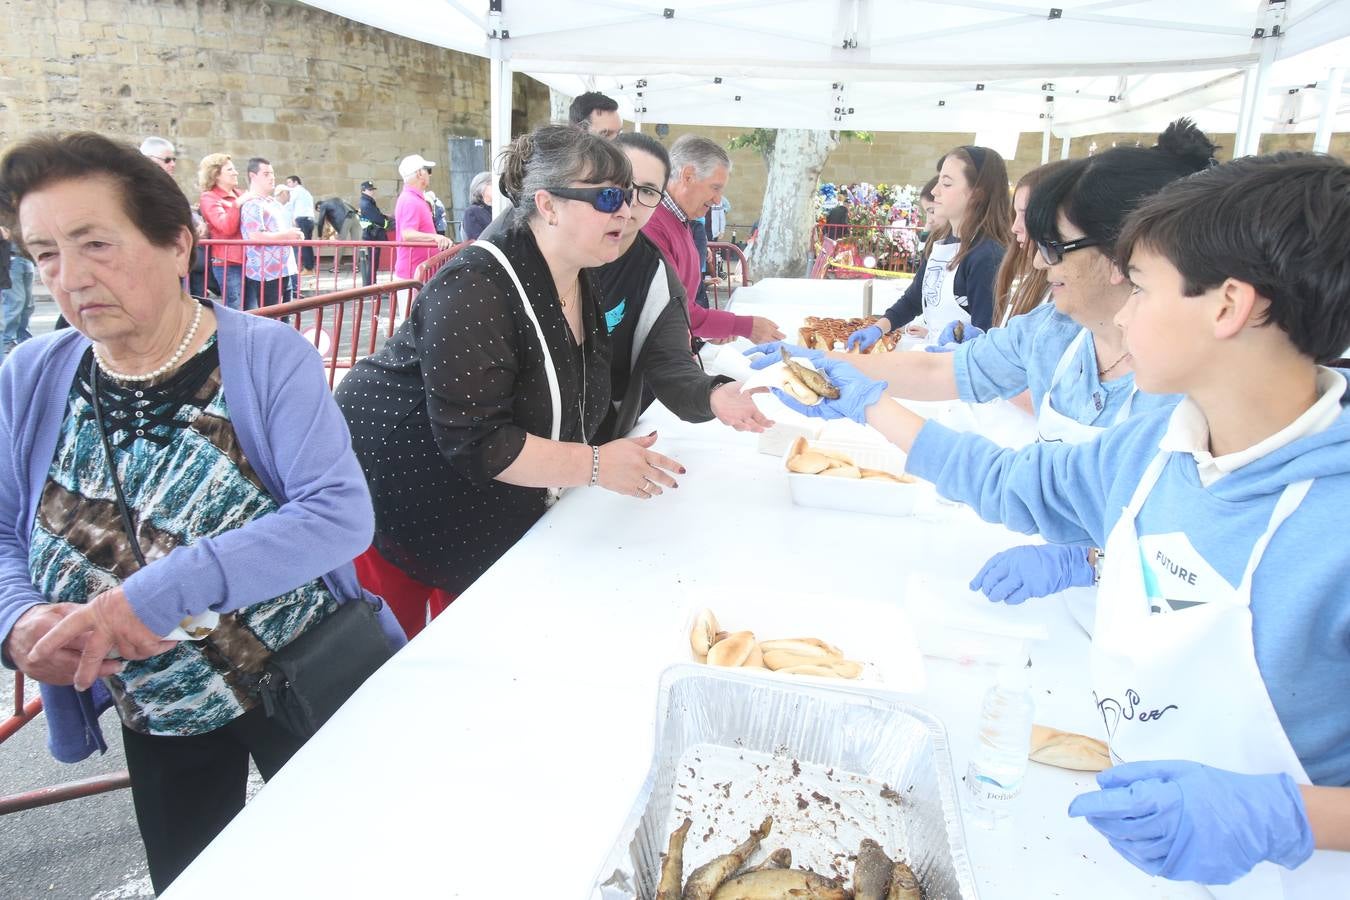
pixel 486 403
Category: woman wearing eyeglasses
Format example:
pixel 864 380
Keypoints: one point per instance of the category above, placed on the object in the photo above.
pixel 485 403
pixel 1068 353
pixel 647 319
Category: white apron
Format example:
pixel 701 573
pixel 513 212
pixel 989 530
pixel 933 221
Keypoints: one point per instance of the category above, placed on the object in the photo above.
pixel 1183 684
pixel 550 371
pixel 940 303
pixel 1054 427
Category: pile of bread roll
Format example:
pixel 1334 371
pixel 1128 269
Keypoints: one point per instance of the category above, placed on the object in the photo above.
pixel 807 460
pixel 741 649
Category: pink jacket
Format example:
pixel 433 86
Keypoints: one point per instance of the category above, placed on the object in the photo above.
pixel 672 237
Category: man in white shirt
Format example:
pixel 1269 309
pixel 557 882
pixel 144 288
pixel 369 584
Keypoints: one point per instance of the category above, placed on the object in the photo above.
pixel 301 208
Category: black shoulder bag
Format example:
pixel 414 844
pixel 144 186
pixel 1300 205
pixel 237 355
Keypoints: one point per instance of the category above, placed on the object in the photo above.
pixel 303 683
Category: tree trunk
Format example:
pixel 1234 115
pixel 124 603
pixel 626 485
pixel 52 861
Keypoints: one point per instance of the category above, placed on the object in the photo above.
pixel 782 249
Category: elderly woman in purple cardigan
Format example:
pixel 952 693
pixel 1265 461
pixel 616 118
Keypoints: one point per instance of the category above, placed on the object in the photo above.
pixel 207 434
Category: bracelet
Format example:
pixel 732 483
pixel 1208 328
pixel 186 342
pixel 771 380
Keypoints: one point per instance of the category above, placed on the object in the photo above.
pixel 595 465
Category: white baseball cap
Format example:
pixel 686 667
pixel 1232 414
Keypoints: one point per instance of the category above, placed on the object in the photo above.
pixel 412 163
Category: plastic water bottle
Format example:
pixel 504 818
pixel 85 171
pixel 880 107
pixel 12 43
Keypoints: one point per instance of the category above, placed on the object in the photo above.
pixel 999 763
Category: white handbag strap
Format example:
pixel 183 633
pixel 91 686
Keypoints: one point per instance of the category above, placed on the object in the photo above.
pixel 555 393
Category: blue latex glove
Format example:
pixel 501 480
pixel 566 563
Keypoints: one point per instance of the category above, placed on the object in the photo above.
pixel 1189 822
pixel 863 338
pixel 856 393
pixel 947 341
pixel 1037 570
pixel 765 355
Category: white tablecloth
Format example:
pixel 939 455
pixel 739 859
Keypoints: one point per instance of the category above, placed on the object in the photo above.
pixel 499 753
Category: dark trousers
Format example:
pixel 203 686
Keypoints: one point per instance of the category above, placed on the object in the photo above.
pixel 187 789
pixel 266 293
pixel 370 264
pixel 306 226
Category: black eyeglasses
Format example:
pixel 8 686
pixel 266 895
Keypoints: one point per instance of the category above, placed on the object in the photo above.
pixel 165 159
pixel 604 199
pixel 648 196
pixel 1053 251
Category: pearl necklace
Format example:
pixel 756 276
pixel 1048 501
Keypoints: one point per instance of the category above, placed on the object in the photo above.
pixel 168 366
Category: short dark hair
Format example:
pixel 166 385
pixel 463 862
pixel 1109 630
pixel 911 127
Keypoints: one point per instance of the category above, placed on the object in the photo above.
pixel 1280 223
pixel 295 178
pixel 579 113
pixel 256 163
pixel 150 197
pixel 647 144
pixel 1097 193
pixel 927 192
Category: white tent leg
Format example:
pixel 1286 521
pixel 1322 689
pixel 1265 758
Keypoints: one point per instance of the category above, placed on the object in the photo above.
pixel 1249 141
pixel 1244 111
pixel 499 112
pixel 1331 98
pixel 1045 143
pixel 1064 148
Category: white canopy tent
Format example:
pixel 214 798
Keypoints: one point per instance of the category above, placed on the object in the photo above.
pixel 1082 67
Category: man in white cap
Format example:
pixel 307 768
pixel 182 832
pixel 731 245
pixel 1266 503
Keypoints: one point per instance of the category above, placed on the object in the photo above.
pixel 412 217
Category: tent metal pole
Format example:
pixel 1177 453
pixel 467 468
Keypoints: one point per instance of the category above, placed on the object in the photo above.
pixel 1064 148
pixel 1253 143
pixel 1045 135
pixel 1331 98
pixel 1244 112
pixel 499 113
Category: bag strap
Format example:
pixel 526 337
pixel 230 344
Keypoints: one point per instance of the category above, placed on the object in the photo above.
pixel 112 462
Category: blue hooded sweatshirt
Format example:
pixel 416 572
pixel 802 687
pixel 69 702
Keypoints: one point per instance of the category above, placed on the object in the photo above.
pixel 1301 588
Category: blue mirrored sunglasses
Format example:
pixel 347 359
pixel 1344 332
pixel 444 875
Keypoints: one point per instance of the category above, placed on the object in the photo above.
pixel 604 199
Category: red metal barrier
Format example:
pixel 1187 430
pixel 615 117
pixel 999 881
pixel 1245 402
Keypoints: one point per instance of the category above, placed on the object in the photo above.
pixel 350 319
pixel 23 713
pixel 371 262
pixel 731 264
pixel 430 267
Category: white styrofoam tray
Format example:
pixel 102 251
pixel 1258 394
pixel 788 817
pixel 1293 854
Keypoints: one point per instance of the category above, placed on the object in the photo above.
pixel 883 498
pixel 878 635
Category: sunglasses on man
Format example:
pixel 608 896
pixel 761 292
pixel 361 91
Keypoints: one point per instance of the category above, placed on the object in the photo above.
pixel 603 199
pixel 1053 251
pixel 165 159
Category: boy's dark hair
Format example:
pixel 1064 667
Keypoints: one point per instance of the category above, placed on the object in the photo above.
pixel 1280 223
pixel 1097 193
pixel 647 144
pixel 579 113
pixel 150 197
pixel 256 163
pixel 295 178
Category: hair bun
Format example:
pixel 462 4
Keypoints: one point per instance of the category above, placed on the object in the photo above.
pixel 514 159
pixel 1187 143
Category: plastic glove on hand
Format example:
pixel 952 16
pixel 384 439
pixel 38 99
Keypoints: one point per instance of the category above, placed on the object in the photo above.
pixel 856 393
pixel 949 340
pixel 764 355
pixel 1189 822
pixel 863 338
pixel 1037 570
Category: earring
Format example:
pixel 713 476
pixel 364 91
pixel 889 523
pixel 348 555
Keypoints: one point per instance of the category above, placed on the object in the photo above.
pixel 553 221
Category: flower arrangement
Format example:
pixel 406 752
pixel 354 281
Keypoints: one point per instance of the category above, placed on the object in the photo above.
pixel 888 217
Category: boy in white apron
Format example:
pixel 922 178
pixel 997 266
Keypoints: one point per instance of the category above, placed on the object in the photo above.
pixel 1221 652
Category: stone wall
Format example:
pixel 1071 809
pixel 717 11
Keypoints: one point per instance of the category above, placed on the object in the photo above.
pixel 329 99
pixel 338 102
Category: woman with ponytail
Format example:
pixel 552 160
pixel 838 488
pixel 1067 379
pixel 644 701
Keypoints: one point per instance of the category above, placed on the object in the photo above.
pixel 484 404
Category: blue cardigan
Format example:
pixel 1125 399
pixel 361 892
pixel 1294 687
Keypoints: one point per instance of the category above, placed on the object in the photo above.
pixel 293 435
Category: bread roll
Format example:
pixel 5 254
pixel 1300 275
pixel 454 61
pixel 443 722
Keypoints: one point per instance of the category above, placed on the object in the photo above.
pixel 798 389
pixel 733 650
pixel 1066 750
pixel 755 660
pixel 802 647
pixel 703 635
pixel 809 463
pixel 783 659
pixel 818 671
pixel 842 471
